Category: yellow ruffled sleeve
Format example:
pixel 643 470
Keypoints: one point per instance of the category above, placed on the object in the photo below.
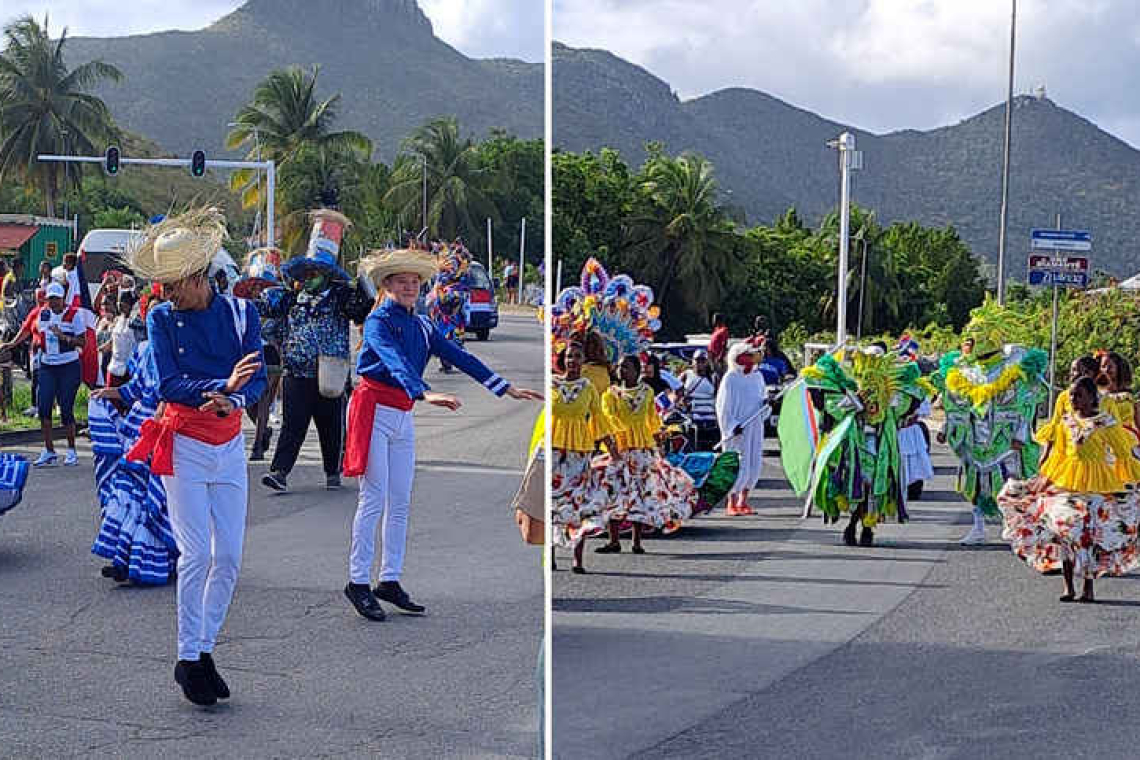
pixel 1123 446
pixel 600 425
pixel 1050 432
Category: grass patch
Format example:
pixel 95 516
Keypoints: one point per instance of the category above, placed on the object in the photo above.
pixel 22 399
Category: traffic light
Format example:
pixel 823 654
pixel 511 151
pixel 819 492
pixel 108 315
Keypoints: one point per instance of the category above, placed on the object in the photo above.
pixel 198 163
pixel 111 163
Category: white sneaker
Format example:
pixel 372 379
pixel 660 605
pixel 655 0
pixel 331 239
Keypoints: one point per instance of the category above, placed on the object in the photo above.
pixel 71 458
pixel 47 459
pixel 975 537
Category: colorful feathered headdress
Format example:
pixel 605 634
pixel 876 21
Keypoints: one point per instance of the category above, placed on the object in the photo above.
pixel 619 310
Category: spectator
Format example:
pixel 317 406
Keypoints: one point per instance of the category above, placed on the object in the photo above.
pixel 44 276
pixel 27 330
pixel 61 335
pixel 103 327
pixel 511 275
pixel 774 367
pixel 123 341
pixel 697 395
pixel 718 344
pixel 14 281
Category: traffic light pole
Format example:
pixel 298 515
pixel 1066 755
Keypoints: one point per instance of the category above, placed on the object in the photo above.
pixel 270 168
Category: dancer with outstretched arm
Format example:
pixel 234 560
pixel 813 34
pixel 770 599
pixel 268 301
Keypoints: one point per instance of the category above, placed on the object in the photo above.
pixel 380 447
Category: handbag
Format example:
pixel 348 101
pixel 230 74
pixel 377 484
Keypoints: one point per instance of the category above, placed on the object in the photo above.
pixel 530 502
pixel 332 372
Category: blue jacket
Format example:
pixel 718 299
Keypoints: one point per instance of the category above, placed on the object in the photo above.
pixel 195 351
pixel 398 344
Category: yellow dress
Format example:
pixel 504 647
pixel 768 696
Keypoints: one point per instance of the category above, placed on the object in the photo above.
pixel 1093 455
pixel 579 422
pixel 1122 406
pixel 1052 431
pixel 599 375
pixel 632 415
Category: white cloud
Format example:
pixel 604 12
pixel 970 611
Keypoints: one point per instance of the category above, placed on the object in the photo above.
pixel 878 64
pixel 478 28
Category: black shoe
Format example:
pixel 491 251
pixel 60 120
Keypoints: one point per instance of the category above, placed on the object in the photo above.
pixel 332 482
pixel 257 455
pixel 639 549
pixel 390 592
pixel 849 535
pixel 191 676
pixel 867 537
pixel 364 602
pixel 274 480
pixel 220 688
pixel 578 570
pixel 608 549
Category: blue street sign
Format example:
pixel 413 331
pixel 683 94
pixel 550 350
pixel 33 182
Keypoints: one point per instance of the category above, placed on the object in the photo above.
pixel 1060 279
pixel 1061 240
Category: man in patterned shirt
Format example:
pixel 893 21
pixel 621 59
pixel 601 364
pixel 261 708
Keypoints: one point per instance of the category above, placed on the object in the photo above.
pixel 314 324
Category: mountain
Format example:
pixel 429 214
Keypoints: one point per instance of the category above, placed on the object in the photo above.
pixel 772 155
pixel 182 88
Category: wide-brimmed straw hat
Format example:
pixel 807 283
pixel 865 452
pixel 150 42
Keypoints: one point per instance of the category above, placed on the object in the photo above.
pixel 379 265
pixel 179 246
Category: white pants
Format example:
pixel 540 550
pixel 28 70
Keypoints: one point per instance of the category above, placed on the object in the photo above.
pixel 385 492
pixel 207 498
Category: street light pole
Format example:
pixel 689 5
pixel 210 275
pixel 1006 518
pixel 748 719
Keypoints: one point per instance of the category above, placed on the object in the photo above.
pixel 1005 158
pixel 846 145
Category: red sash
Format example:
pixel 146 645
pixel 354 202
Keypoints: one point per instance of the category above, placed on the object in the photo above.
pixel 361 413
pixel 156 436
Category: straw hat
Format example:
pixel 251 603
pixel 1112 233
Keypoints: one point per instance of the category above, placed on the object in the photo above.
pixel 382 264
pixel 179 246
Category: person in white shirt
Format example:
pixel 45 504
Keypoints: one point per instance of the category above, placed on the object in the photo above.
pixel 60 333
pixel 697 395
pixel 123 340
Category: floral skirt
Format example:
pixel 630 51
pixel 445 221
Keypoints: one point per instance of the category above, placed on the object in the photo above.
pixel 576 497
pixel 1098 533
pixel 642 487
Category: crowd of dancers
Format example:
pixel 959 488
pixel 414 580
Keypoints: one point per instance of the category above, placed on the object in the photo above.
pixel 855 436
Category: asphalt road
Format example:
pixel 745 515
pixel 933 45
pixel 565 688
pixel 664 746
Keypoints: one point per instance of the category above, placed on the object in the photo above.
pixel 87 665
pixel 766 637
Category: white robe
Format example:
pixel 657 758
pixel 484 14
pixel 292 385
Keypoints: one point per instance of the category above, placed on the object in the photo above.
pixel 743 400
pixel 912 448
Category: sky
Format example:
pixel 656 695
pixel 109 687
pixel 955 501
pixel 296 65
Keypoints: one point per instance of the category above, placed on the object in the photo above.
pixel 477 28
pixel 881 65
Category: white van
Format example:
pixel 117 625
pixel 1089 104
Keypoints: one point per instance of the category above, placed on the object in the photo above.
pixel 104 249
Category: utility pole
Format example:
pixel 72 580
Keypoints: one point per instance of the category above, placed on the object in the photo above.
pixel 1005 158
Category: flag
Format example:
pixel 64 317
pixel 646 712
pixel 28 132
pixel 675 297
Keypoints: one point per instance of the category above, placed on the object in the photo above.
pixel 798 429
pixel 79 295
pixel 663 403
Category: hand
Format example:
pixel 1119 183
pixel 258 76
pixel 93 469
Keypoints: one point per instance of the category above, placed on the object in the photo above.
pixel 243 371
pixel 446 400
pixel 1038 484
pixel 56 331
pixel 218 404
pixel 107 394
pixel 524 394
pixel 941 437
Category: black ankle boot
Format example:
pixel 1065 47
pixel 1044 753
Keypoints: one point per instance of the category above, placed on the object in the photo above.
pixel 849 534
pixel 216 682
pixel 867 538
pixel 191 676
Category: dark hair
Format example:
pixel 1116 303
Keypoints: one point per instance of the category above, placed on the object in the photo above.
pixel 1087 365
pixel 1088 385
pixel 652 360
pixel 1123 370
pixel 126 296
pixel 717 319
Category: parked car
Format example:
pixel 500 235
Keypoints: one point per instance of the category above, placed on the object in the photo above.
pixel 482 306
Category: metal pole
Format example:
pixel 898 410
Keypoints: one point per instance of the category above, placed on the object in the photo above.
pixel 862 288
pixel 846 147
pixel 1005 159
pixel 522 259
pixel 424 173
pixel 1053 342
pixel 557 283
pixel 270 190
pixel 490 251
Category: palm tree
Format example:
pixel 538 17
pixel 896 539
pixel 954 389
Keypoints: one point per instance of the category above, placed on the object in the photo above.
pixel 457 197
pixel 680 233
pixel 46 108
pixel 284 118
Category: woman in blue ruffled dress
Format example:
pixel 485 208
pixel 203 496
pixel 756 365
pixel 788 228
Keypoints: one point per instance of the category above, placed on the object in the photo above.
pixel 135 532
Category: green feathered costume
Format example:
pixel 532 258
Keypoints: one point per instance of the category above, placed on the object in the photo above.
pixel 990 403
pixel 857 462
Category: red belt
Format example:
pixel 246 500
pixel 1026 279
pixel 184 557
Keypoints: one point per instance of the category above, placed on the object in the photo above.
pixel 156 436
pixel 361 413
